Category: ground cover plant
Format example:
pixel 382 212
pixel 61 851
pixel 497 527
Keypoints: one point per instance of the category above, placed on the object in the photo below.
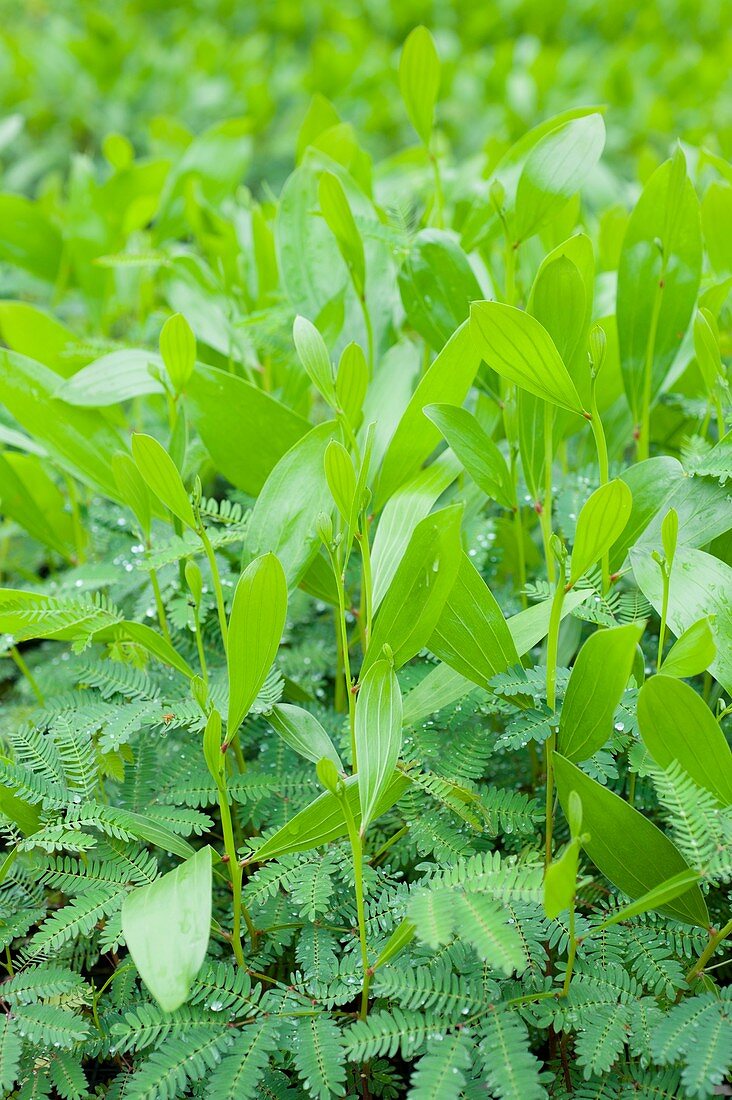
pixel 366 603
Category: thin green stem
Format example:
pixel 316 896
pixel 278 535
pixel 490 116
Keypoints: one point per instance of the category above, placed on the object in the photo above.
pixel 644 428
pixel 572 951
pixel 235 872
pixel 518 528
pixel 159 605
pixel 23 668
pixel 357 850
pixel 551 698
pixel 439 193
pixel 216 578
pixel 369 332
pixel 546 509
pixel 602 461
pixel 509 291
pixel 199 644
pixel 343 634
pixel 366 578
pixel 714 941
pixel 666 582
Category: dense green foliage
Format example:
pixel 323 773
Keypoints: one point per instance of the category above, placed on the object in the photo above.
pixel 366 606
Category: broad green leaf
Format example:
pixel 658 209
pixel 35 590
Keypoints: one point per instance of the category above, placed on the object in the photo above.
pixel 401 514
pixel 313 354
pixel 654 899
pixel 323 821
pixel 447 381
pixel 150 641
pixel 119 376
pixel 437 285
pixel 133 490
pixel 600 523
pixel 220 404
pixel 352 379
pixel 256 623
pixel 28 239
pixel 626 847
pixel 702 513
pixel 178 350
pixel 82 441
pixel 693 651
pixel 555 169
pixel 596 684
pixel 471 634
pixel 478 453
pixel 517 347
pixel 560 881
pixel 658 278
pixel 341 478
pixel 37 334
pixel 166 926
pixel 421 584
pixel 676 724
pixel 378 732
pixel 302 731
pixel 336 210
pixel 32 499
pixel 706 348
pixel 21 813
pixel 561 299
pixel 419 80
pixel 161 476
pixel 283 520
pixel 652 483
pixel 400 938
pixel 699 588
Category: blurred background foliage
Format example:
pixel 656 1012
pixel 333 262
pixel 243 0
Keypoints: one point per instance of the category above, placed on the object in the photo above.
pixel 160 71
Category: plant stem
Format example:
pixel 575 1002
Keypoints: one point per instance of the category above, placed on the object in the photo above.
pixel 23 668
pixel 159 604
pixel 551 699
pixel 199 644
pixel 439 193
pixel 518 528
pixel 666 582
pixel 369 332
pixel 509 292
pixel 220 605
pixel 235 872
pixel 714 941
pixel 602 461
pixel 343 633
pixel 357 850
pixel 546 510
pixel 572 951
pixel 366 579
pixel 643 446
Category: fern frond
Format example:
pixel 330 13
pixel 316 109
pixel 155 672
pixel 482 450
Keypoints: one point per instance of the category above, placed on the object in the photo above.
pixel 511 1070
pixel 439 1074
pixel 319 1056
pixel 178 1063
pixel 239 1074
pixel 50 1026
pixel 10 1051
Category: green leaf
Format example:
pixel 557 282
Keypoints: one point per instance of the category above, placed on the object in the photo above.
pixel 600 523
pixel 699 587
pixel 258 614
pixel 400 938
pixel 337 213
pixel 302 731
pixel 150 640
pixel 323 820
pixel 419 80
pixel 28 239
pixel 560 881
pixel 706 349
pixel 178 350
pixel 283 520
pixel 626 847
pixel 692 653
pixel 437 285
pixel 517 347
pixel 448 380
pixel 10 1051
pixel 118 376
pixel 555 169
pixel 133 490
pixel 37 334
pixel 471 634
pixel 596 684
pixel 219 404
pixel 33 500
pixel 676 724
pixel 352 379
pixel 658 278
pixel 166 927
pixel 378 733
pixel 477 452
pixel 313 354
pixel 654 899
pixel 422 583
pixel 341 478
pixel 161 476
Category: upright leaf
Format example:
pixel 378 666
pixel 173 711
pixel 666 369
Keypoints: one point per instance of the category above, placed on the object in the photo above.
pixel 313 355
pixel 596 685
pixel 378 735
pixel 600 523
pixel 161 475
pixel 419 80
pixel 255 627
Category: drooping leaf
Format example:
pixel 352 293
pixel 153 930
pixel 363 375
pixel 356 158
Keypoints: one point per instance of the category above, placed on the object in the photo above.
pixel 627 847
pixel 166 927
pixel 476 450
pixel 302 731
